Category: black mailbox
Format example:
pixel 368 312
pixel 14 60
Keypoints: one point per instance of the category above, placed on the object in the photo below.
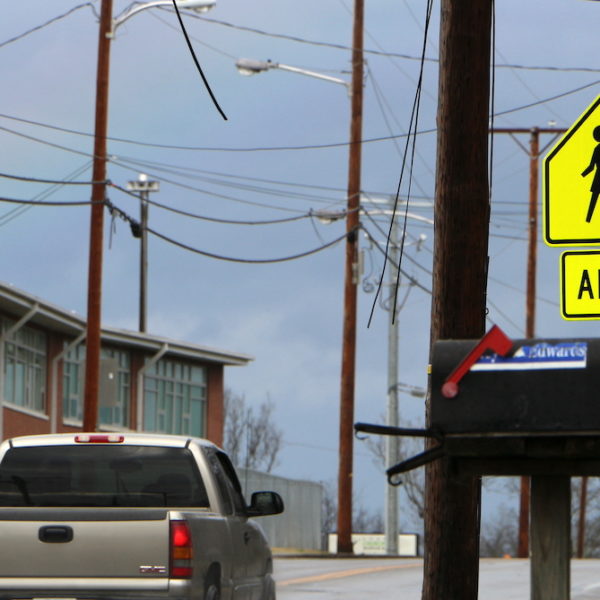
pixel 539 386
pixel 533 410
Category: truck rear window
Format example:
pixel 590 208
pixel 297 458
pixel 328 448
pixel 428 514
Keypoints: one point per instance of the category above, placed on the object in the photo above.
pixel 101 475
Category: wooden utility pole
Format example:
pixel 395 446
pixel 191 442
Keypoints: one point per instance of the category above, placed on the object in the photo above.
pixel 94 306
pixel 344 519
pixel 451 568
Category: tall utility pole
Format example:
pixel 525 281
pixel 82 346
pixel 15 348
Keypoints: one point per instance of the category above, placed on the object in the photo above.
pixel 344 518
pixel 534 156
pixel 392 442
pixel 451 568
pixel 94 306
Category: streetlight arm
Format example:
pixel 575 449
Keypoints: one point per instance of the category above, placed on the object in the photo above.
pixel 311 74
pixel 199 5
pixel 250 66
pixel 388 211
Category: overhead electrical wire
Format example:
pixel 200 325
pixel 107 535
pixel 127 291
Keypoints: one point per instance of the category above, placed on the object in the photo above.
pixel 48 202
pixel 185 186
pixel 136 229
pixel 504 316
pixel 307 41
pixel 49 181
pixel 302 215
pixel 210 193
pixel 49 22
pixel 153 14
pixel 113 159
pixel 551 68
pixel 21 209
pixel 380 102
pixel 308 215
pixel 156 168
pixel 254 261
pixel 288 147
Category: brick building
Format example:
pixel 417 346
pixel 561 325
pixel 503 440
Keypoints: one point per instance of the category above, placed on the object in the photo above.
pixel 148 383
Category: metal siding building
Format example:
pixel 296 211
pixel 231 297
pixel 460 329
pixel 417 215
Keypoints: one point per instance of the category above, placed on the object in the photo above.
pixel 299 526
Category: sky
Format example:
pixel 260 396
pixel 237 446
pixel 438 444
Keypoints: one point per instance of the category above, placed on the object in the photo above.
pixel 280 156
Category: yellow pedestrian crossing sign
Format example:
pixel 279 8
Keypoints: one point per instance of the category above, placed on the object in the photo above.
pixel 580 285
pixel 571 184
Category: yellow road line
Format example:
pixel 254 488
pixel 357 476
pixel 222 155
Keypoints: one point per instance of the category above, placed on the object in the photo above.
pixel 346 573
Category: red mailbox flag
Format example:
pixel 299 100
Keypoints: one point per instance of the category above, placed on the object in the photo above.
pixel 495 339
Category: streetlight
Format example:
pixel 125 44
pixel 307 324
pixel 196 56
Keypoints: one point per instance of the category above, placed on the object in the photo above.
pixel 250 66
pixel 348 366
pixel 107 28
pixel 195 5
pixel 144 187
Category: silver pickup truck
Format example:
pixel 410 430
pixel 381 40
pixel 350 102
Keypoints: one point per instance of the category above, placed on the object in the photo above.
pixel 124 516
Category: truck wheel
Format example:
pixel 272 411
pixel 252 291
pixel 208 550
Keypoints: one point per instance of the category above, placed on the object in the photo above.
pixel 212 592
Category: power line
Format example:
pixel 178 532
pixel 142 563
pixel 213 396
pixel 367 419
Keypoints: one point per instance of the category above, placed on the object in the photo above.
pixel 48 181
pixel 49 22
pixel 156 168
pixel 17 211
pixel 504 316
pixel 47 203
pixel 135 227
pixel 247 260
pixel 288 147
pixel 216 219
pixel 434 60
pixel 210 193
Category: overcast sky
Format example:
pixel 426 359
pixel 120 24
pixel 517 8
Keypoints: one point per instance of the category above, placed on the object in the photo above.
pixel 282 153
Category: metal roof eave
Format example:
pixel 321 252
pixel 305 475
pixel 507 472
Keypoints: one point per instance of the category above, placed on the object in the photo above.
pixel 175 347
pixel 18 302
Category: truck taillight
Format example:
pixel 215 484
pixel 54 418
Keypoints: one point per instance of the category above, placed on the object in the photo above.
pixel 99 438
pixel 181 550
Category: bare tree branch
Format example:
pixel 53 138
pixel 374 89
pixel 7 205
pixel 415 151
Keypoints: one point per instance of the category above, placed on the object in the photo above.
pixel 251 437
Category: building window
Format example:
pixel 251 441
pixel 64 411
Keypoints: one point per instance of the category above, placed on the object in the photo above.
pixel 25 368
pixel 115 386
pixel 73 368
pixel 175 398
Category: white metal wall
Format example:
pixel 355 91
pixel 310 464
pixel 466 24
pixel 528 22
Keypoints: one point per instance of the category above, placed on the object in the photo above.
pixel 299 527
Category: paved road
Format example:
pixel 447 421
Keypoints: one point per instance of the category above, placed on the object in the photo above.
pixel 401 579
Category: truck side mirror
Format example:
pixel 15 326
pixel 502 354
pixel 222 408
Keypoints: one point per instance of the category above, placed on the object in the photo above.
pixel 265 503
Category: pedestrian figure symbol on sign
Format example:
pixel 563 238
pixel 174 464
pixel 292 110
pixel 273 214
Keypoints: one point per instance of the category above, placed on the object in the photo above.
pixel 571 184
pixel 594 164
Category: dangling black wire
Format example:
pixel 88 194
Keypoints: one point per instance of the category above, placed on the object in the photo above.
pixel 412 132
pixel 187 39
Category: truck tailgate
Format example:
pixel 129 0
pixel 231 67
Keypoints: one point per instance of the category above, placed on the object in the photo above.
pixel 57 542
